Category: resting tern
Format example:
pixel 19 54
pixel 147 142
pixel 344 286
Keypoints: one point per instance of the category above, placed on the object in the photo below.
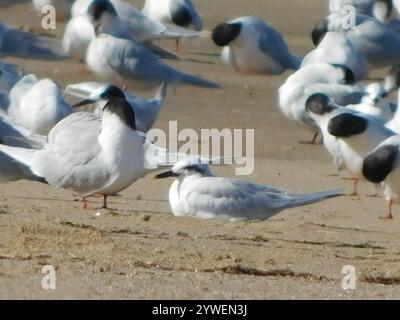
pixel 196 192
pixel 379 44
pixel 37 105
pixel 252 46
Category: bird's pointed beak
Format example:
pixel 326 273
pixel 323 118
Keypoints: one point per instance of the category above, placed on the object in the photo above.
pixel 167 174
pixel 83 103
pixel 97 95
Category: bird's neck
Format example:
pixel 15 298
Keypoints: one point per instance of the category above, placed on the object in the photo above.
pixel 115 132
pixel 183 183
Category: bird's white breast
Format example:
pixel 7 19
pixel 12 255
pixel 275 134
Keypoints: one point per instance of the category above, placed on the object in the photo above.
pixel 101 49
pixel 122 154
pixel 246 57
pixel 158 10
pixel 77 37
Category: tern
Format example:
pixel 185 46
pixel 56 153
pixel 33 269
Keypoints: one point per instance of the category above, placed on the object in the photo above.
pixel 37 105
pixel 123 62
pixel 143 28
pixel 379 44
pixel 252 46
pixel 348 135
pixel 336 81
pixel 344 54
pixel 181 13
pixel 88 154
pixel 196 192
pixel 102 16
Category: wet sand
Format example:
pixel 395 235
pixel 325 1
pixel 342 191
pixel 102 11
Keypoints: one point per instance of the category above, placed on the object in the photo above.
pixel 141 251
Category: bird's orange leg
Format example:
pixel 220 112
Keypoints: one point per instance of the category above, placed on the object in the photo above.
pixel 389 216
pixel 85 205
pixel 355 187
pixel 82 68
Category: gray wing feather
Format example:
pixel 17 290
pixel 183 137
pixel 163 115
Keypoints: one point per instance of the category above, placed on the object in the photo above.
pixel 241 200
pixel 71 153
pixel 379 44
pixel 237 199
pixel 24 44
pixel 135 61
pixel 272 43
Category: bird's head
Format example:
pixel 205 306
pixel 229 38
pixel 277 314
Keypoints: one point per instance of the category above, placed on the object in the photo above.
pixel 187 167
pixel 319 104
pixel 180 14
pixel 224 33
pixel 319 31
pixel 101 13
pixel 116 103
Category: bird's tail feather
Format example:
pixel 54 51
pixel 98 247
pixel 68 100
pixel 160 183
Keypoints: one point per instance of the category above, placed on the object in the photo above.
pixel 162 92
pixel 162 53
pixel 198 82
pixel 20 155
pixel 24 159
pixel 175 32
pixel 306 199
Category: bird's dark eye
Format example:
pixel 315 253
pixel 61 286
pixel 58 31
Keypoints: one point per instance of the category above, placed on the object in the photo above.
pixel 385 95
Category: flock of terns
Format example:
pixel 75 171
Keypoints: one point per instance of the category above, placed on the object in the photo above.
pixel 103 150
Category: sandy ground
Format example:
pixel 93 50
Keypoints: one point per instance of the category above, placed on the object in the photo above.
pixel 141 251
